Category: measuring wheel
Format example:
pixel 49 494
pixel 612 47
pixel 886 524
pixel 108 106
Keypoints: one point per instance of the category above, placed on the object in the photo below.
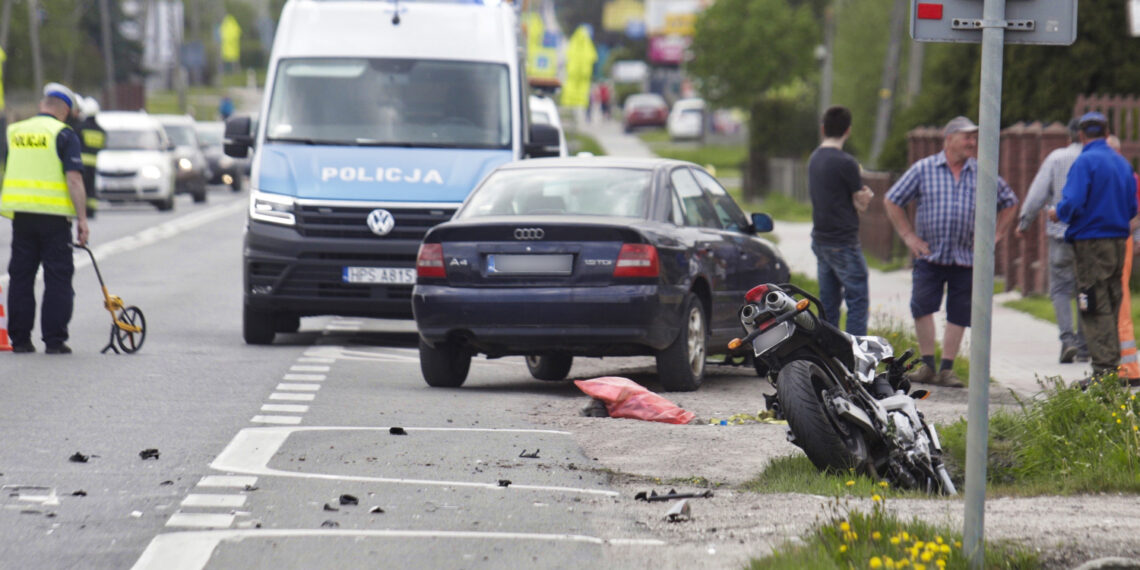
pixel 131 336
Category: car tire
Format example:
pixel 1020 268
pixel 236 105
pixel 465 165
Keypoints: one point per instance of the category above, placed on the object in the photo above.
pixel 236 184
pixel 681 365
pixel 200 195
pixel 286 322
pixel 257 326
pixel 165 205
pixel 550 367
pixel 445 365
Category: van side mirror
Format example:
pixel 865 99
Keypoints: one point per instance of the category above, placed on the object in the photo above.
pixel 762 223
pixel 238 136
pixel 544 141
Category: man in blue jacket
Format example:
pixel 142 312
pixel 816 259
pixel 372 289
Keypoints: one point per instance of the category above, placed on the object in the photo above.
pixel 1098 200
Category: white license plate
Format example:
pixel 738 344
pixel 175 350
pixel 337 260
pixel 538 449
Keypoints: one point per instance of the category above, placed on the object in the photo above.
pixel 383 275
pixel 530 264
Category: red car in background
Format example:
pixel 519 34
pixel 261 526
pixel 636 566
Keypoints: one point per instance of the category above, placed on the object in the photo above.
pixel 645 110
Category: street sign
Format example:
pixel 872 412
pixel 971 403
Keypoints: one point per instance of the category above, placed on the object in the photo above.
pixel 1040 22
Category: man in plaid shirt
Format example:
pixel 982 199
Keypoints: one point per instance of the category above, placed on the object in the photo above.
pixel 942 241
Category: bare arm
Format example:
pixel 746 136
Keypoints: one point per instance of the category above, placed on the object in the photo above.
pixel 79 199
pixel 862 198
pixel 1004 220
pixel 898 218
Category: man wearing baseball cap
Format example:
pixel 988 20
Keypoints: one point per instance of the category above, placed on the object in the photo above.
pixel 1098 200
pixel 942 241
pixel 43 186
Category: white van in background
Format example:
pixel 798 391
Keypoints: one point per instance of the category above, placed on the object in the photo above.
pixel 378 119
pixel 137 163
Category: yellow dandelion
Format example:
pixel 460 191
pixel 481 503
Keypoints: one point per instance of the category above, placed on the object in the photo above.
pixel 1123 407
pixel 945 549
pixel 905 535
pixel 876 498
pixel 940 563
pixel 927 556
pixel 938 539
pixel 876 535
pixel 957 544
pixel 1135 428
pixel 842 548
pixel 1114 414
pixel 903 563
pixel 918 545
pixel 850 483
pixel 918 566
pixel 895 540
pixel 888 563
pixel 875 562
pixel 1117 420
pixel 843 526
pixel 884 484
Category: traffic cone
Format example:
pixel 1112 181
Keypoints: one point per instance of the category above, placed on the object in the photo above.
pixel 4 344
pixel 1129 366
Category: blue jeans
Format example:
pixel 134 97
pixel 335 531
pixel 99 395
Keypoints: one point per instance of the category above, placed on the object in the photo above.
pixel 842 275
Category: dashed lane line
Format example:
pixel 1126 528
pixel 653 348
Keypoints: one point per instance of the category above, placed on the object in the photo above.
pixel 281 420
pixel 298 387
pixel 213 500
pixel 281 396
pixel 291 408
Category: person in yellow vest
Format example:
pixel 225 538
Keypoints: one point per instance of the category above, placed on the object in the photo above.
pixel 42 186
pixel 92 139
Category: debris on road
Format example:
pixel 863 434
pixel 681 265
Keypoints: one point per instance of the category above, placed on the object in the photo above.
pixel 504 482
pixel 526 455
pixel 167 482
pixel 78 458
pixel 652 496
pixel 397 431
pixel 330 524
pixel 680 512
pixel 625 398
pixel 136 514
pixel 150 453
pixel 79 493
pixel 349 500
pixel 595 408
pixel 329 507
pixel 249 487
pixel 376 510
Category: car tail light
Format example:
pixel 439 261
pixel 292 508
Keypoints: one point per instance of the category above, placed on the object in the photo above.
pixel 429 262
pixel 636 260
pixel 756 293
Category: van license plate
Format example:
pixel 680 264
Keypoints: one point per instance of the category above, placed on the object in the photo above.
pixel 382 275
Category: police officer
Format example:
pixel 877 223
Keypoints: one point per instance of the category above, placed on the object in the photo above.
pixel 42 185
pixel 92 139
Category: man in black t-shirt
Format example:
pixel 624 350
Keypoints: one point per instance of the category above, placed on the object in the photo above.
pixel 837 196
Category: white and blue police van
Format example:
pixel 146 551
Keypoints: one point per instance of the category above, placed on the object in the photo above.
pixel 378 119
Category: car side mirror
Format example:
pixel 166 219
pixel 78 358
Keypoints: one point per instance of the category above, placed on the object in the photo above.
pixel 544 141
pixel 238 136
pixel 762 223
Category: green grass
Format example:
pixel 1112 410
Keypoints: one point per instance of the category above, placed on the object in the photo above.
pixel 1041 307
pixel 581 142
pixel 777 205
pixel 720 157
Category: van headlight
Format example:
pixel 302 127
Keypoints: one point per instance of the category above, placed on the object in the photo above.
pixel 150 172
pixel 185 164
pixel 272 208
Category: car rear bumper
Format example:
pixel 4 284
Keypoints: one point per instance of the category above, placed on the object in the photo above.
pixel 588 321
pixel 130 189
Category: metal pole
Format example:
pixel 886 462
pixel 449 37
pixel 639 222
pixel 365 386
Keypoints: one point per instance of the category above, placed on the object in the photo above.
pixel 914 72
pixel 108 57
pixel 889 80
pixel 985 221
pixel 828 56
pixel 34 36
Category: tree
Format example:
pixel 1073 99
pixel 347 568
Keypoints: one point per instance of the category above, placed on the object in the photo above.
pixel 744 48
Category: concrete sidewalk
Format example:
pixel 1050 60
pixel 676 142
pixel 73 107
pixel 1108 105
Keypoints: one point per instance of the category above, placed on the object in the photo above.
pixel 1022 349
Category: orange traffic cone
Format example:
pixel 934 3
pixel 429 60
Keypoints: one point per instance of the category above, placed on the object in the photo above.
pixel 4 344
pixel 1129 366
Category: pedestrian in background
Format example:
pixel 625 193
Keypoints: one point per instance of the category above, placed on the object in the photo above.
pixel 1046 190
pixel 226 107
pixel 835 182
pixel 92 139
pixel 43 186
pixel 942 241
pixel 1098 201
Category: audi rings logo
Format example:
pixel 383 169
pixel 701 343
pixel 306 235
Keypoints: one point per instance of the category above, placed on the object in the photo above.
pixel 529 233
pixel 381 222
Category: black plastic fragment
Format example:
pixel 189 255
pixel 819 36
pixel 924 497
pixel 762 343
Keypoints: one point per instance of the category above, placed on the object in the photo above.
pixel 78 458
pixel 150 453
pixel 397 431
pixel 349 500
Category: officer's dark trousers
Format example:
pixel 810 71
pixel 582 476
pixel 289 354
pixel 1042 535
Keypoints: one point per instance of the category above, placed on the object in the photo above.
pixel 40 239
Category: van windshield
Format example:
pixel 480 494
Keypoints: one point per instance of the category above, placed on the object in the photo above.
pixel 133 140
pixel 391 102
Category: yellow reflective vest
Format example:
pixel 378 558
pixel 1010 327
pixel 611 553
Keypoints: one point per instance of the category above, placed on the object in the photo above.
pixel 34 180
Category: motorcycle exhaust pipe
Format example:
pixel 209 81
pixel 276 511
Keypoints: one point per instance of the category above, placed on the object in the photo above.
pixel 781 303
pixel 749 313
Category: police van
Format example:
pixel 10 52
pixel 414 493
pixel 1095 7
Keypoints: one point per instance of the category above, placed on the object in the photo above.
pixel 378 119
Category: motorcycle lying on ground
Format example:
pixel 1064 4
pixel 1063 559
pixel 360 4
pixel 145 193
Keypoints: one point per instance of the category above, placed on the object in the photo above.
pixel 841 410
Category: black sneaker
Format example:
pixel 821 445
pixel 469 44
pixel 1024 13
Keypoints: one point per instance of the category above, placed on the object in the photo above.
pixel 1068 353
pixel 23 348
pixel 60 349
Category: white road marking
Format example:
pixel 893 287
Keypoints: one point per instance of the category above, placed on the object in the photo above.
pixel 298 387
pixel 239 481
pixel 213 500
pixel 292 397
pixel 316 360
pixel 291 408
pixel 305 377
pixel 251 450
pixel 297 368
pixel 200 520
pixel 284 420
pixel 385 355
pixel 192 550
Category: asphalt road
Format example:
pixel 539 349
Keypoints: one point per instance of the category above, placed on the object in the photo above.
pixel 257 445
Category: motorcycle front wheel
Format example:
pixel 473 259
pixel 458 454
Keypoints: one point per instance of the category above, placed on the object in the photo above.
pixel 830 443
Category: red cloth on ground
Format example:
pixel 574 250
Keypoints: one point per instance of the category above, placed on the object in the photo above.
pixel 625 398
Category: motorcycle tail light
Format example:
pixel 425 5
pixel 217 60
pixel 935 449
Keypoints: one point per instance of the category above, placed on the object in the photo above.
pixel 755 294
pixel 429 262
pixel 635 260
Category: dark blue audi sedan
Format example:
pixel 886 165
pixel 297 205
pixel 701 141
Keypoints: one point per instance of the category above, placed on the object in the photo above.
pixel 557 258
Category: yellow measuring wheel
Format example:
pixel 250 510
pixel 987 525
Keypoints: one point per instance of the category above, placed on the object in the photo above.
pixel 128 326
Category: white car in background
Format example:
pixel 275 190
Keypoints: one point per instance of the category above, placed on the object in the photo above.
pixel 687 119
pixel 137 163
pixel 543 111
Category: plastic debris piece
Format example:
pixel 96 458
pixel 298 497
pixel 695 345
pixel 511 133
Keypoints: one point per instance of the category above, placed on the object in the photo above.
pixel 329 507
pixel 349 500
pixel 330 524
pixel 136 514
pixel 397 431
pixel 376 510
pixel 167 482
pixel 78 458
pixel 79 493
pixel 150 453
pixel 251 487
pixel 504 482
pixel 526 455
pixel 680 512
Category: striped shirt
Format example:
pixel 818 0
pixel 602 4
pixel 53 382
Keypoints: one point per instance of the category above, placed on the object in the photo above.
pixel 945 215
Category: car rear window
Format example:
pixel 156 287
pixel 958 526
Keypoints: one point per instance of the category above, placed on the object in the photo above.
pixel 620 192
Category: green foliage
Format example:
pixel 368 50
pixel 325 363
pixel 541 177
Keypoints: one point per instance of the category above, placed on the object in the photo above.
pixel 784 124
pixel 581 142
pixel 743 48
pixel 1064 441
pixel 718 156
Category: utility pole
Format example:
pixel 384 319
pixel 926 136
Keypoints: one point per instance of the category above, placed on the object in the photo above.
pixel 5 21
pixel 34 35
pixel 914 72
pixel 889 80
pixel 108 57
pixel 828 56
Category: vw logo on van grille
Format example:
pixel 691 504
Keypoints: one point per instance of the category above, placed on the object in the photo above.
pixel 381 222
pixel 529 233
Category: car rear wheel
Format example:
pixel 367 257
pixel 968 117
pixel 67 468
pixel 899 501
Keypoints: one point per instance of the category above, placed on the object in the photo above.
pixel 165 205
pixel 236 184
pixel 286 322
pixel 257 326
pixel 200 194
pixel 553 367
pixel 681 366
pixel 445 365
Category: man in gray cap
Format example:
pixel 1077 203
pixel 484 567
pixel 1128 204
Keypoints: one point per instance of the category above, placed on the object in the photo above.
pixel 942 241
pixel 1097 202
pixel 1046 189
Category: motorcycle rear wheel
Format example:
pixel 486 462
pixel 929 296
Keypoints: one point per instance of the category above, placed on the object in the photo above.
pixel 830 443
